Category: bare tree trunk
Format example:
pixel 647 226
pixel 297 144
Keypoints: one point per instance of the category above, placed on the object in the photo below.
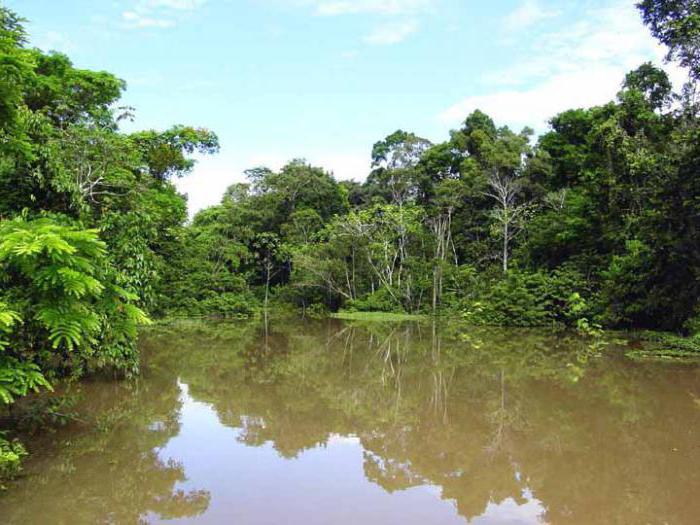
pixel 505 247
pixel 267 285
pixel 504 189
pixel 442 229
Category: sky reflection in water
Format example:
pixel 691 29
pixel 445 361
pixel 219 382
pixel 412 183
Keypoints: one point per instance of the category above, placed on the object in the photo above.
pixel 329 422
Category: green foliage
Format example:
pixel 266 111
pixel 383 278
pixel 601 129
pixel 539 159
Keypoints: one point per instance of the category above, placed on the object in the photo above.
pixel 622 294
pixel 692 325
pixel 532 299
pixel 11 454
pixel 229 305
pixel 514 300
pixel 378 317
pixel 18 378
pixel 64 291
pixel 676 24
pixel 317 311
pixel 665 347
pixel 165 153
pixel 379 301
pixel 581 218
pixel 595 222
pixel 88 218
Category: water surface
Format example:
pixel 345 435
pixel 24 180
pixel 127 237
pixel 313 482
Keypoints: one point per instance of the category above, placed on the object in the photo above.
pixel 337 423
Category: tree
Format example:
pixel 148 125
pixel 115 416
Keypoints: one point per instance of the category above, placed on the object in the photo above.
pixel 508 214
pixel 394 160
pixel 448 195
pixel 399 150
pixel 268 252
pixel 676 24
pixel 165 153
pixel 653 83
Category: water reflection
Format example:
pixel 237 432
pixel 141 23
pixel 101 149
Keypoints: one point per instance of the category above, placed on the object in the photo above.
pixel 108 468
pixel 328 422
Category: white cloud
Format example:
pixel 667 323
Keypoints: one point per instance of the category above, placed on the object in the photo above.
pixel 138 20
pixel 343 165
pixel 398 17
pixel 212 175
pixel 391 32
pixel 529 13
pixel 158 13
pixel 54 41
pixel 384 7
pixel 576 66
pixel 534 106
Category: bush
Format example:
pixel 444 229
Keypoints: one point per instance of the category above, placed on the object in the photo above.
pixel 228 305
pixel 516 300
pixel 11 455
pixel 379 301
pixel 532 299
pixel 692 325
pixel 624 291
pixel 61 311
pixel 317 311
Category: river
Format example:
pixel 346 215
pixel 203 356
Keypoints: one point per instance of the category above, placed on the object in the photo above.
pixel 333 422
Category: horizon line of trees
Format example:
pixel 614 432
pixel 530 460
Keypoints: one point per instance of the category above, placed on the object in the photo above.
pixel 597 221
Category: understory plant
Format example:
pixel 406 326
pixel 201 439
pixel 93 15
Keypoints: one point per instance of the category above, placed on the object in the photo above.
pixel 61 312
pixel 11 454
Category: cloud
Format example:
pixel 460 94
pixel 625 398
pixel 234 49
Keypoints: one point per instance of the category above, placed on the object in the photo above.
pixel 396 18
pixel 138 20
pixel 529 13
pixel 345 165
pixel 54 41
pixel 212 175
pixel 580 65
pixel 383 7
pixel 391 32
pixel 158 13
pixel 534 106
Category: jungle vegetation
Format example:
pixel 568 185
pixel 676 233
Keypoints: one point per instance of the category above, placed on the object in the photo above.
pixel 595 222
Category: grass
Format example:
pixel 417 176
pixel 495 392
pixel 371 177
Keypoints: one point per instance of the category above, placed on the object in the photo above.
pixel 661 346
pixel 377 316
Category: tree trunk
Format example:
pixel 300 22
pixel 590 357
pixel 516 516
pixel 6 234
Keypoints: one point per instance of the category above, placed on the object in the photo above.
pixel 505 247
pixel 267 285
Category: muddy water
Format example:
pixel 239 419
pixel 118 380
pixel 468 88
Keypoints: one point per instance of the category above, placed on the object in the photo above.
pixel 333 423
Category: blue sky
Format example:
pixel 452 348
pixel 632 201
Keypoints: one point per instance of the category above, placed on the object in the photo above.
pixel 325 79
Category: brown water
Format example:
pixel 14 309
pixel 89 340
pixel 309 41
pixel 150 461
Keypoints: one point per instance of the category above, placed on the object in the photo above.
pixel 333 423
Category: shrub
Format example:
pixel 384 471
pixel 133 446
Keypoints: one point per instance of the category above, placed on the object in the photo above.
pixel 532 299
pixel 692 325
pixel 379 301
pixel 317 311
pixel 11 454
pixel 228 305
pixel 61 310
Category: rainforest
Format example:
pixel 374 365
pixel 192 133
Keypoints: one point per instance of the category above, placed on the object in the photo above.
pixel 590 229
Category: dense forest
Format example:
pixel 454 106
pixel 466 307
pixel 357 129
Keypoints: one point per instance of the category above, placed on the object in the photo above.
pixel 594 223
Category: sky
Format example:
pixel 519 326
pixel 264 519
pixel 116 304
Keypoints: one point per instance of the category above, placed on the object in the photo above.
pixel 325 79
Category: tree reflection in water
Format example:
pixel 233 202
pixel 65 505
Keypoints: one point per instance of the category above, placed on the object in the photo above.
pixel 487 415
pixel 107 468
pixel 505 423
